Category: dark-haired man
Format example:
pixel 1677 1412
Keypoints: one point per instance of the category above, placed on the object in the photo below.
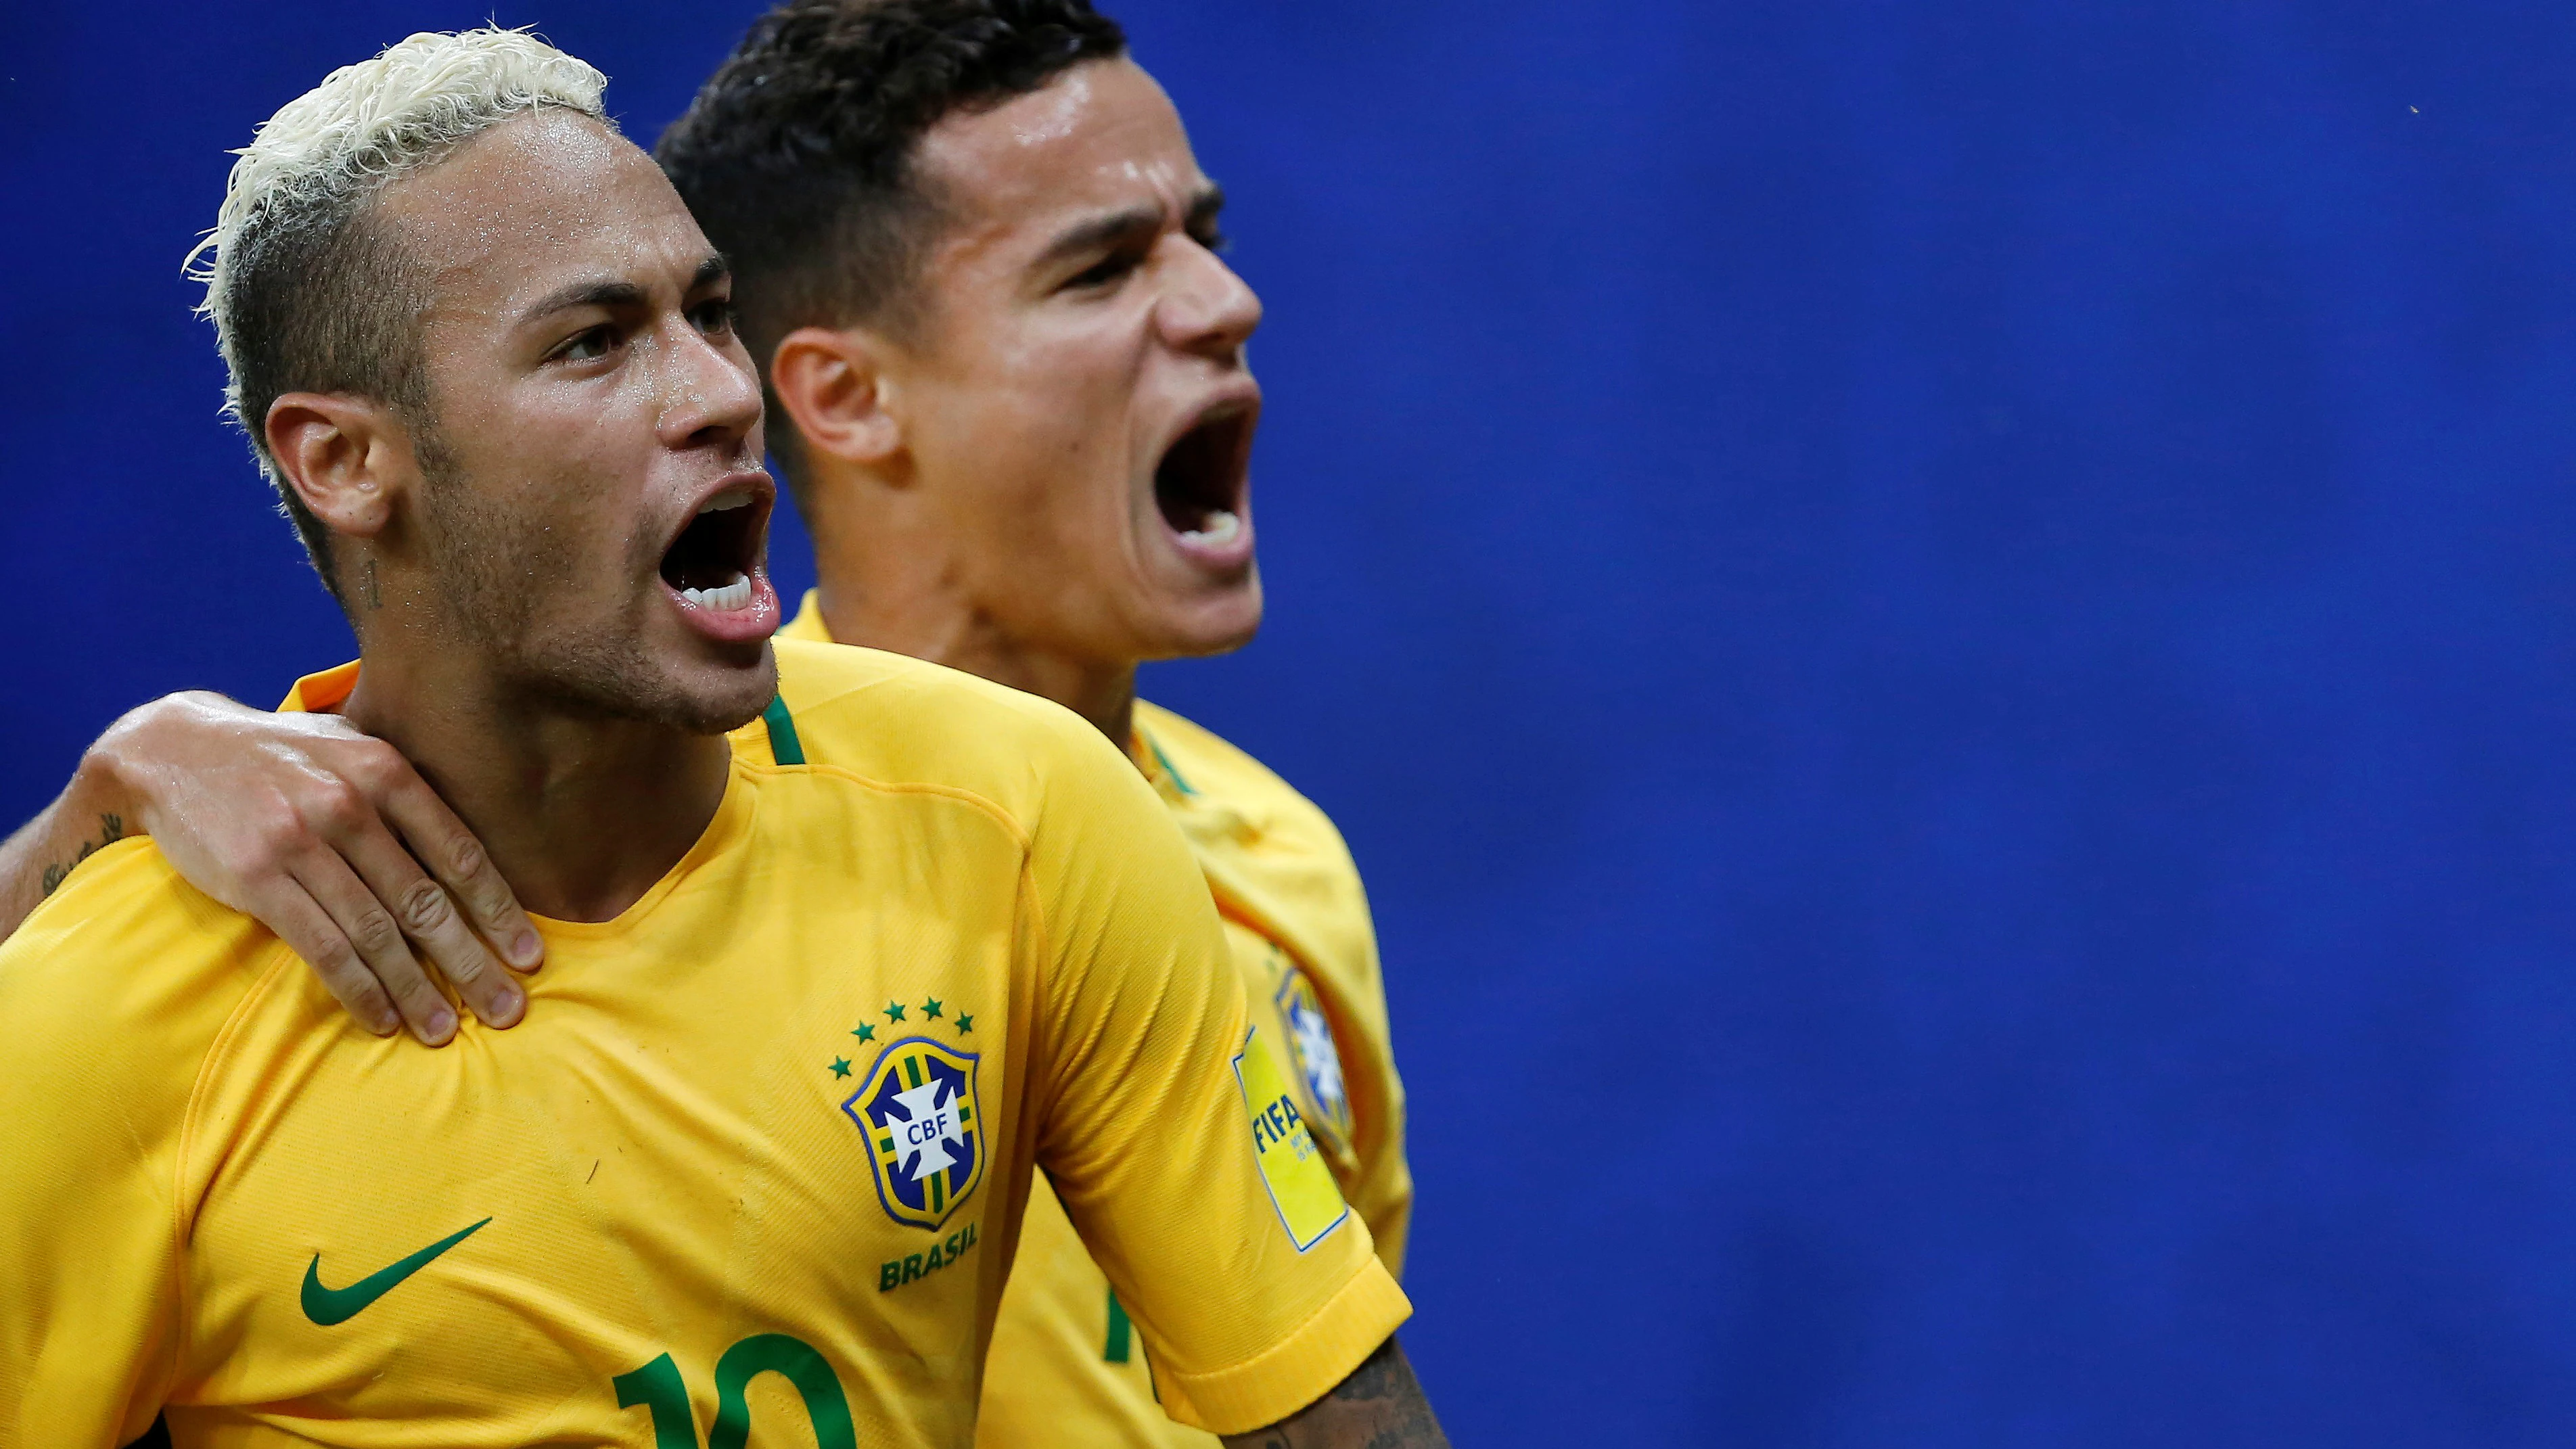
pixel 973 244
pixel 979 257
pixel 759 1150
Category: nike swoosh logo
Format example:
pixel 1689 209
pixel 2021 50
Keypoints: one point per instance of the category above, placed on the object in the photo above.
pixel 333 1306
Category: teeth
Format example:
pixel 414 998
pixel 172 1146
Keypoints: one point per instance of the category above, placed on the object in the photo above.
pixel 1221 528
pixel 726 502
pixel 735 595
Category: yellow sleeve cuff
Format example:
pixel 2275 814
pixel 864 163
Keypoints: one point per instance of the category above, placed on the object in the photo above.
pixel 1299 1369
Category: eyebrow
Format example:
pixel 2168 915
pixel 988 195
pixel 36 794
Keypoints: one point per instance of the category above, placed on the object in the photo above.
pixel 610 294
pixel 1117 226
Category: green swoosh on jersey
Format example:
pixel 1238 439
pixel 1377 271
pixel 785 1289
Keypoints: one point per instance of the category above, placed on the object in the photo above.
pixel 332 1306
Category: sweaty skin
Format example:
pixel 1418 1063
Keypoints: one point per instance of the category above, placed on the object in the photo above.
pixel 580 340
pixel 982 494
pixel 984 479
pixel 522 647
pixel 331 836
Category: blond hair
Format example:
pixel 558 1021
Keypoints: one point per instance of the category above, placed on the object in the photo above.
pixel 302 296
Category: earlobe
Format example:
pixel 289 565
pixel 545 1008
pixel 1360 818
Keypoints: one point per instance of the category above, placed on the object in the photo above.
pixel 836 391
pixel 345 458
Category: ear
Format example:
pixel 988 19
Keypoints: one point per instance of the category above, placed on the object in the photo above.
pixel 836 387
pixel 348 459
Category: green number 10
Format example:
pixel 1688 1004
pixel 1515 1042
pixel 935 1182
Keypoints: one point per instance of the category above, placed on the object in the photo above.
pixel 657 1386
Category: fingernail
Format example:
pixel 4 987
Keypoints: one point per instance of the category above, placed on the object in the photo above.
pixel 385 1025
pixel 442 1025
pixel 524 949
pixel 508 1003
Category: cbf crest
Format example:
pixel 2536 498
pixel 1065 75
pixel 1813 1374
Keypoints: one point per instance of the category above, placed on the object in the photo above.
pixel 925 1129
pixel 1310 1042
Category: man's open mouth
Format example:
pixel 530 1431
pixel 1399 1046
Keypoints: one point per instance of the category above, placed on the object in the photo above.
pixel 1200 483
pixel 712 562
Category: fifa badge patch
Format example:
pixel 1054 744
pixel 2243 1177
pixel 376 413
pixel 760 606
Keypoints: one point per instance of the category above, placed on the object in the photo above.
pixel 1310 1045
pixel 1292 1165
pixel 925 1129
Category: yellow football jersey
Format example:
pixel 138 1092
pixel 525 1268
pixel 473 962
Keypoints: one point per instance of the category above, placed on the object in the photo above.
pixel 750 1171
pixel 1069 1370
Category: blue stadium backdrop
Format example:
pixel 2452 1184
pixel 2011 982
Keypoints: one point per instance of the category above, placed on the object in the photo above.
pixel 1947 633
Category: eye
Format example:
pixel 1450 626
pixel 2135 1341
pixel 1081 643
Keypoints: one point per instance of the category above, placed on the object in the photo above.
pixel 1105 271
pixel 714 317
pixel 1214 240
pixel 588 346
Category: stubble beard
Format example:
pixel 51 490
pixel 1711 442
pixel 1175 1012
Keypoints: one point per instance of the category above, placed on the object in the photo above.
pixel 495 588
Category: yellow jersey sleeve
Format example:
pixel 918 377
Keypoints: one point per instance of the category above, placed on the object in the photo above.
pixel 96 1089
pixel 1196 1188
pixel 1166 1130
pixel 1299 921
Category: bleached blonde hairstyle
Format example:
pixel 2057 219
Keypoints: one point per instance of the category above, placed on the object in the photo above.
pixel 304 294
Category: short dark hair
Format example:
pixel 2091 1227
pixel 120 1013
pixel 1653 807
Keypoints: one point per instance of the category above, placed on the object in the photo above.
pixel 797 157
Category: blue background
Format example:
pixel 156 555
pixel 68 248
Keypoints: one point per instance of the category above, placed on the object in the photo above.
pixel 1947 634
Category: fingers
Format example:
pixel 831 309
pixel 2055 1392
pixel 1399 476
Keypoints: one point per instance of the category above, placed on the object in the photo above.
pixel 425 917
pixel 288 909
pixel 369 932
pixel 314 828
pixel 457 860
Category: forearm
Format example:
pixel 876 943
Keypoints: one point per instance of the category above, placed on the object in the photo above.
pixel 1380 1406
pixel 93 811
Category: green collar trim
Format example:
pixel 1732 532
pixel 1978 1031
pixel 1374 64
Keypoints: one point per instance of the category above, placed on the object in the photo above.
pixel 1164 762
pixel 784 747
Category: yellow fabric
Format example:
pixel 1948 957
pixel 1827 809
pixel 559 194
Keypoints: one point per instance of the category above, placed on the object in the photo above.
pixel 1297 925
pixel 655 1190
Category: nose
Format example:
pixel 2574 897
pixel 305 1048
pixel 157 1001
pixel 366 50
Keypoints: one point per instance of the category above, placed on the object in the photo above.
pixel 711 392
pixel 1209 311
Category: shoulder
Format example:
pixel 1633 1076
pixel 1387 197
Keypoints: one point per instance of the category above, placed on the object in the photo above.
pixel 898 721
pixel 128 901
pixel 1270 854
pixel 123 978
pixel 1210 774
pixel 895 689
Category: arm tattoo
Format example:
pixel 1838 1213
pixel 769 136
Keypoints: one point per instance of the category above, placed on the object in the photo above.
pixel 1399 1416
pixel 1380 1406
pixel 111 830
pixel 1377 1376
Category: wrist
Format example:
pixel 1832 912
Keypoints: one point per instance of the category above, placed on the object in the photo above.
pixel 110 780
pixel 99 785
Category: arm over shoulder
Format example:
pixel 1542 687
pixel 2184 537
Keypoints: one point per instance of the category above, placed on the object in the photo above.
pixel 112 996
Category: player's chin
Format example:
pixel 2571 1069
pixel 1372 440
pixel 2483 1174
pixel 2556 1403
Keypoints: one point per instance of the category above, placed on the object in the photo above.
pixel 1207 616
pixel 711 686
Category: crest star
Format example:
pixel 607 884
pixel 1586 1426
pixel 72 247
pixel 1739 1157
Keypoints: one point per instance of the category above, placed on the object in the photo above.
pixel 930 1007
pixel 965 1021
pixel 865 1033
pixel 840 1066
pixel 894 1011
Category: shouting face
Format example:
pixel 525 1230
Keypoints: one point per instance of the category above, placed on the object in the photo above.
pixel 1076 402
pixel 591 514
